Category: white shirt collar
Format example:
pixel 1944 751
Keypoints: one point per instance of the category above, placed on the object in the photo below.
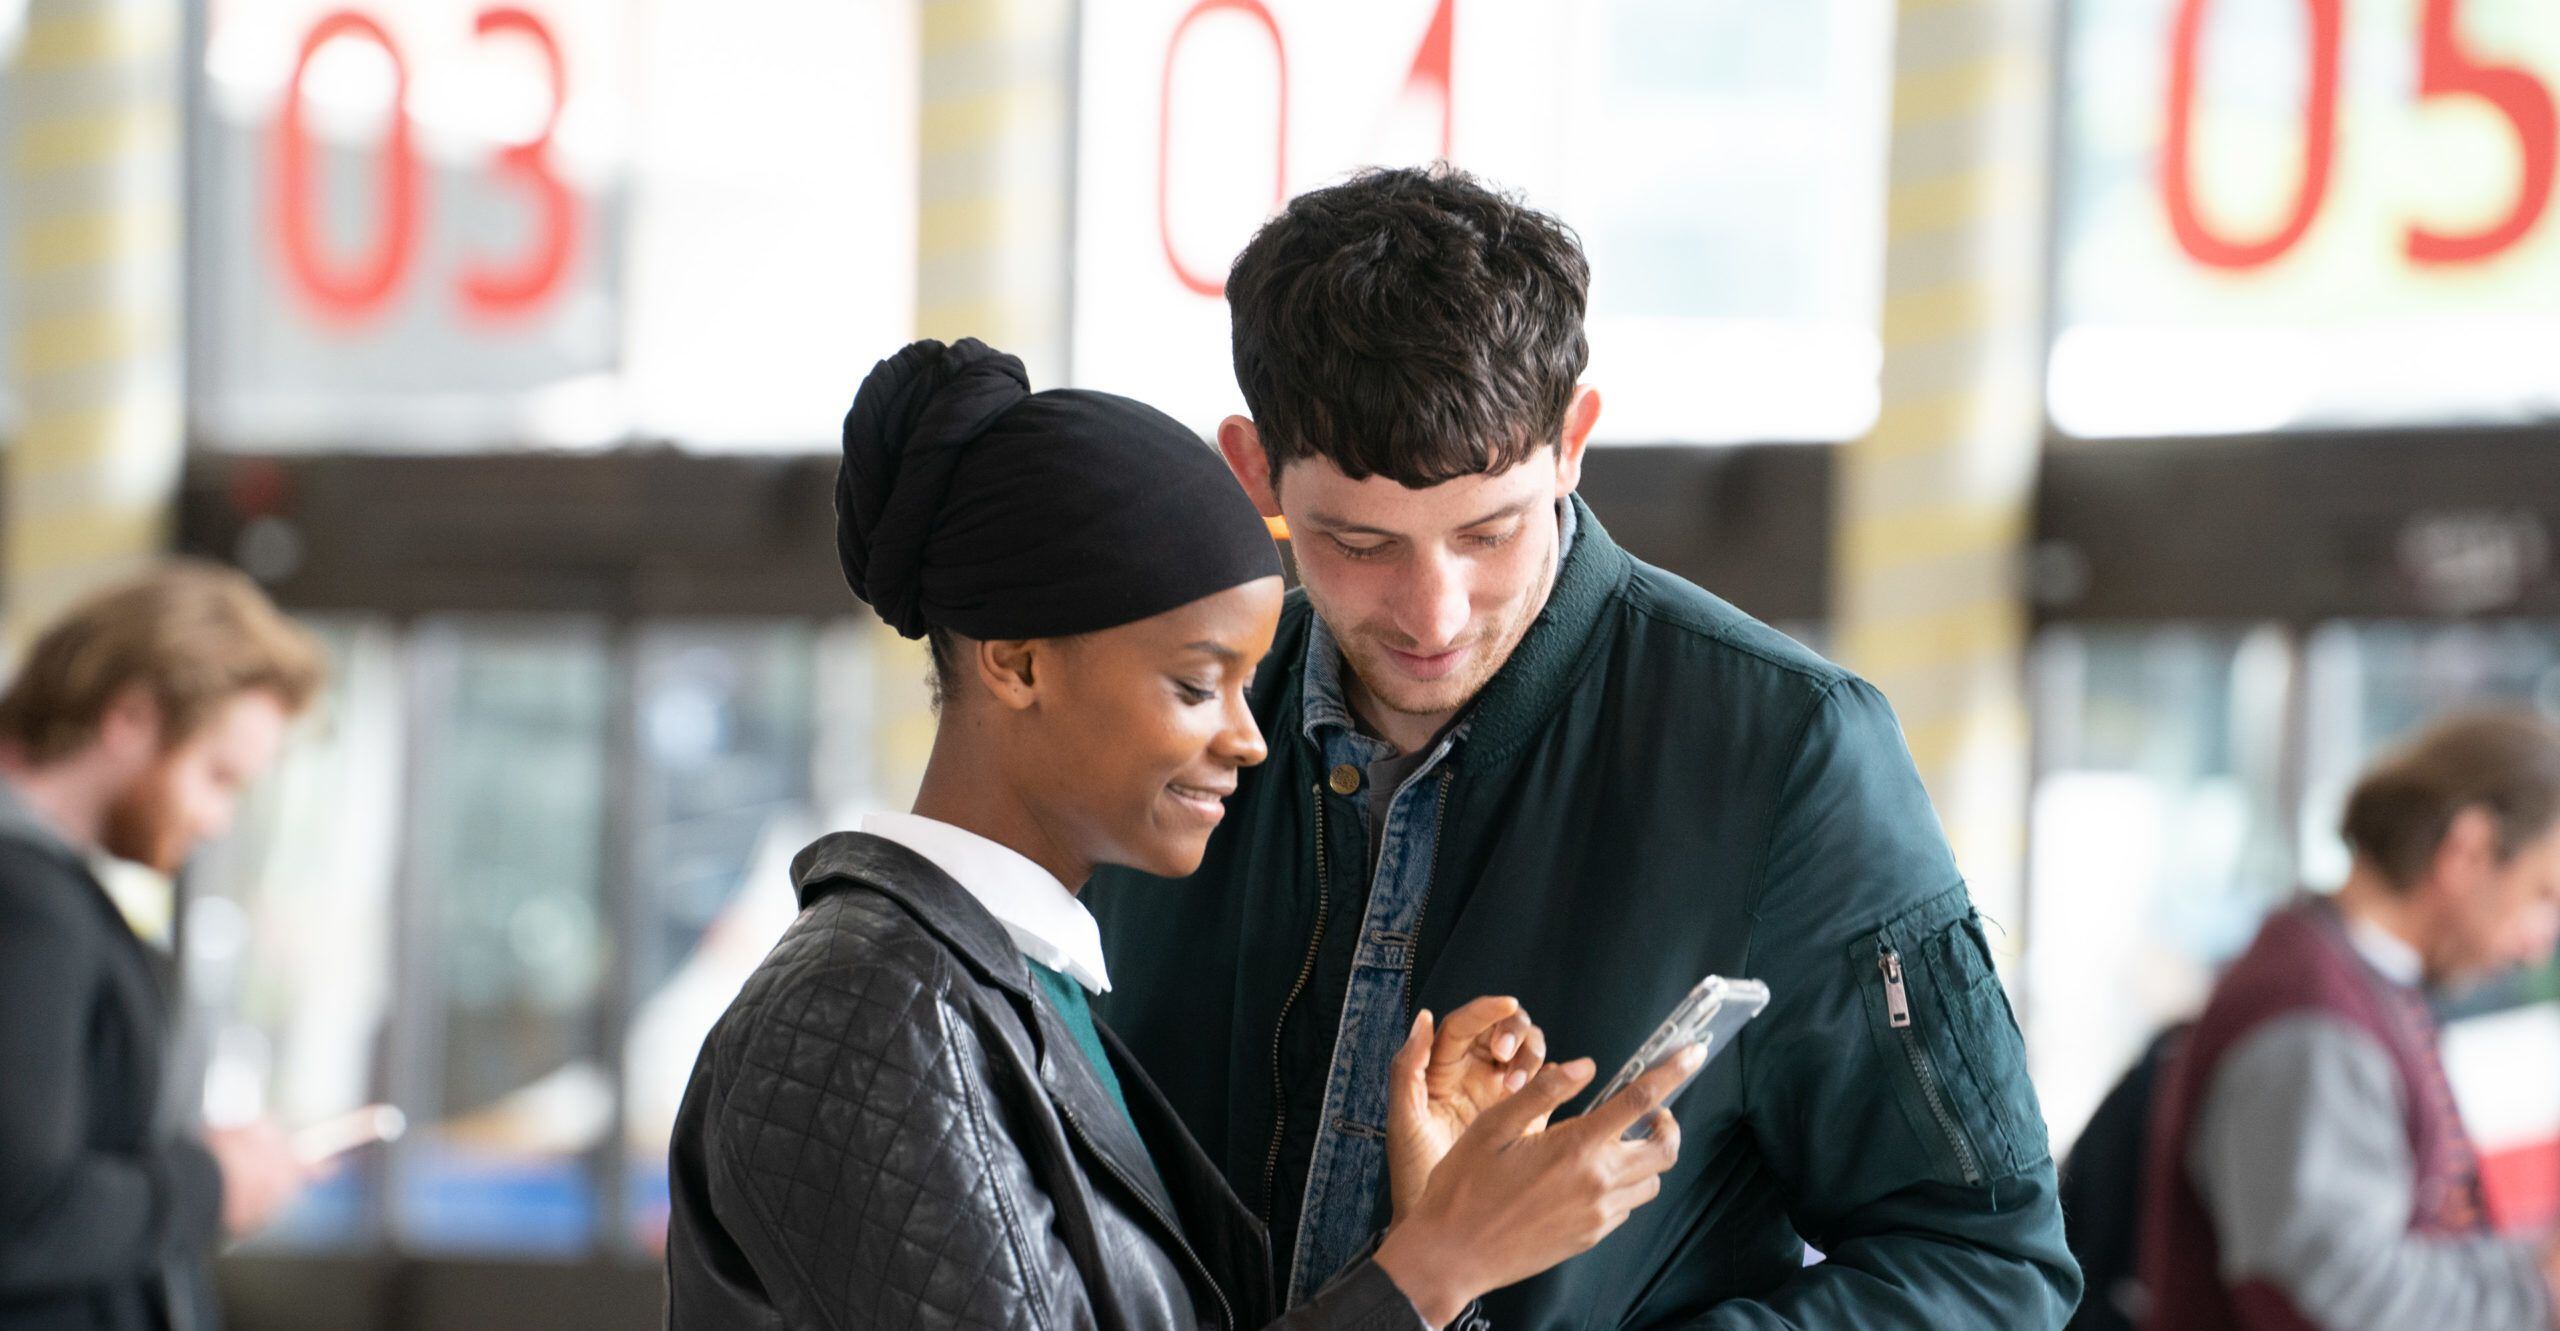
pixel 1038 913
pixel 2386 952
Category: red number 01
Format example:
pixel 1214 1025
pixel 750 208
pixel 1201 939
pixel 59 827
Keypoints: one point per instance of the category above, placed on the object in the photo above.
pixel 362 289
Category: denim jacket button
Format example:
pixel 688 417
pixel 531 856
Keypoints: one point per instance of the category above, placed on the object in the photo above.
pixel 1345 780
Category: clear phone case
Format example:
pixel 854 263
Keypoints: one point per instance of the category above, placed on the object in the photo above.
pixel 1711 1016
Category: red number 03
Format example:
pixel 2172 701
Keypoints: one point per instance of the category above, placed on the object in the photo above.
pixel 2445 70
pixel 351 289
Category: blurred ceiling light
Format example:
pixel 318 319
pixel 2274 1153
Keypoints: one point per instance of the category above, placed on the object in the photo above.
pixel 13 24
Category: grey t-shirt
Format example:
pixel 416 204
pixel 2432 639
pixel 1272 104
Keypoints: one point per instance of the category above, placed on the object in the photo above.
pixel 1379 785
pixel 2301 1155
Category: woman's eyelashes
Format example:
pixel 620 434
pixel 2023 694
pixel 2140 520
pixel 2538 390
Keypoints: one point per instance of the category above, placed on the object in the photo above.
pixel 1192 693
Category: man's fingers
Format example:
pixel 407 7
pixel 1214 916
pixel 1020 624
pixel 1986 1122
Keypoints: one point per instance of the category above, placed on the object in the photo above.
pixel 1554 1084
pixel 1417 1048
pixel 1644 1096
pixel 1468 1023
pixel 1652 1153
pixel 1619 1201
pixel 1525 1061
pixel 1506 1038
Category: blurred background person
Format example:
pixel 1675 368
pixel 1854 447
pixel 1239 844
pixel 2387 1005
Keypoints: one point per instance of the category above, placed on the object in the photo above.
pixel 130 731
pixel 2310 1167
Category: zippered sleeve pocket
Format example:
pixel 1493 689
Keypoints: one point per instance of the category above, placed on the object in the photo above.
pixel 1943 1030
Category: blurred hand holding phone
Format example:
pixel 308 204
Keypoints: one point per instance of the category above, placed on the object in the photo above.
pixel 318 1144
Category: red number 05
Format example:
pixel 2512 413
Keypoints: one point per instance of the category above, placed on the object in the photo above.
pixel 363 288
pixel 2444 70
pixel 2319 142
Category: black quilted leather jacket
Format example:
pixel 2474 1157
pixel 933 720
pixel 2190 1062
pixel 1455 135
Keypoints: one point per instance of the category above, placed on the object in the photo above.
pixel 886 1129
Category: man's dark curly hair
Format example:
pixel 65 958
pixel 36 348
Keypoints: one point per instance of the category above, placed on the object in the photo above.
pixel 1411 323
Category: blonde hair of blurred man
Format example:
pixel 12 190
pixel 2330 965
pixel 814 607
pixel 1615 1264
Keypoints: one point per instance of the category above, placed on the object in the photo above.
pixel 130 729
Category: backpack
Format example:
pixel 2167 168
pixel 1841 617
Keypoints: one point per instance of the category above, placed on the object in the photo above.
pixel 2102 1194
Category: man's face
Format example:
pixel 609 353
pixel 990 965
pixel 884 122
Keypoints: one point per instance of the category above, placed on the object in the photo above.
pixel 188 793
pixel 2507 914
pixel 1427 590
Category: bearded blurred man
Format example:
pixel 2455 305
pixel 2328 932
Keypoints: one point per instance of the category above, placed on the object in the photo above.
pixel 130 731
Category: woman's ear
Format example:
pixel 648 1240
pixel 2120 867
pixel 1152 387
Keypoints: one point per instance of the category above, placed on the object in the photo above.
pixel 1008 668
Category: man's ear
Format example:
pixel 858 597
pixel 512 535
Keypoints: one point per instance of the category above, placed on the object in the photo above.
pixel 130 726
pixel 1242 445
pixel 2467 855
pixel 1582 413
pixel 1009 670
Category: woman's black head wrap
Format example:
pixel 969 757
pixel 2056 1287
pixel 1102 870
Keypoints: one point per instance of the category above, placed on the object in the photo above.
pixel 970 503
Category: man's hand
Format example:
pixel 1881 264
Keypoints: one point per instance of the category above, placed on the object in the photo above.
pixel 1442 1079
pixel 261 1175
pixel 1512 1198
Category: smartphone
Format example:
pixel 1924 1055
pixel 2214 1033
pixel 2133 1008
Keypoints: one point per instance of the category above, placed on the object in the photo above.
pixel 329 1138
pixel 1711 1016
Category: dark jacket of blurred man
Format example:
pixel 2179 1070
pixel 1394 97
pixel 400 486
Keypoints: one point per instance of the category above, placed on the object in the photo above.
pixel 2309 1168
pixel 129 732
pixel 1509 758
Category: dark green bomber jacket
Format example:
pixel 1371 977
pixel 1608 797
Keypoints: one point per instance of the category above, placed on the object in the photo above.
pixel 1654 788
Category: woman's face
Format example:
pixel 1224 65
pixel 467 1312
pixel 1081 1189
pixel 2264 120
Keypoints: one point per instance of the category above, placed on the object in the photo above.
pixel 1138 731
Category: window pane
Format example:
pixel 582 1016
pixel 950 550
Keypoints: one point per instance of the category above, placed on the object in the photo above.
pixel 290 926
pixel 725 731
pixel 2156 838
pixel 506 830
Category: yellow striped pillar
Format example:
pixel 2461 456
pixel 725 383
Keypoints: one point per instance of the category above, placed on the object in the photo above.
pixel 1933 505
pixel 994 163
pixel 96 177
pixel 994 159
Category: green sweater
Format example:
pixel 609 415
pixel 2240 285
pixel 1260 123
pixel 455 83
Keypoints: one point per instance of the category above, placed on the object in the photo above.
pixel 1067 999
pixel 1654 788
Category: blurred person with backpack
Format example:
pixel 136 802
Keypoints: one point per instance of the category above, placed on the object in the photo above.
pixel 2308 1167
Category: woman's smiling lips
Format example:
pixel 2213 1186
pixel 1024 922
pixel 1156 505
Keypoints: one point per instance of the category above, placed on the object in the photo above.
pixel 1208 803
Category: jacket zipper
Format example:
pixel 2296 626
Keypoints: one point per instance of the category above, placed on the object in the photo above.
pixel 1306 968
pixel 1897 1011
pixel 1439 829
pixel 1226 1311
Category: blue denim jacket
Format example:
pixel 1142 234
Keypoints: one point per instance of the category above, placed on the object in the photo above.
pixel 1349 1162
pixel 1348 1166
